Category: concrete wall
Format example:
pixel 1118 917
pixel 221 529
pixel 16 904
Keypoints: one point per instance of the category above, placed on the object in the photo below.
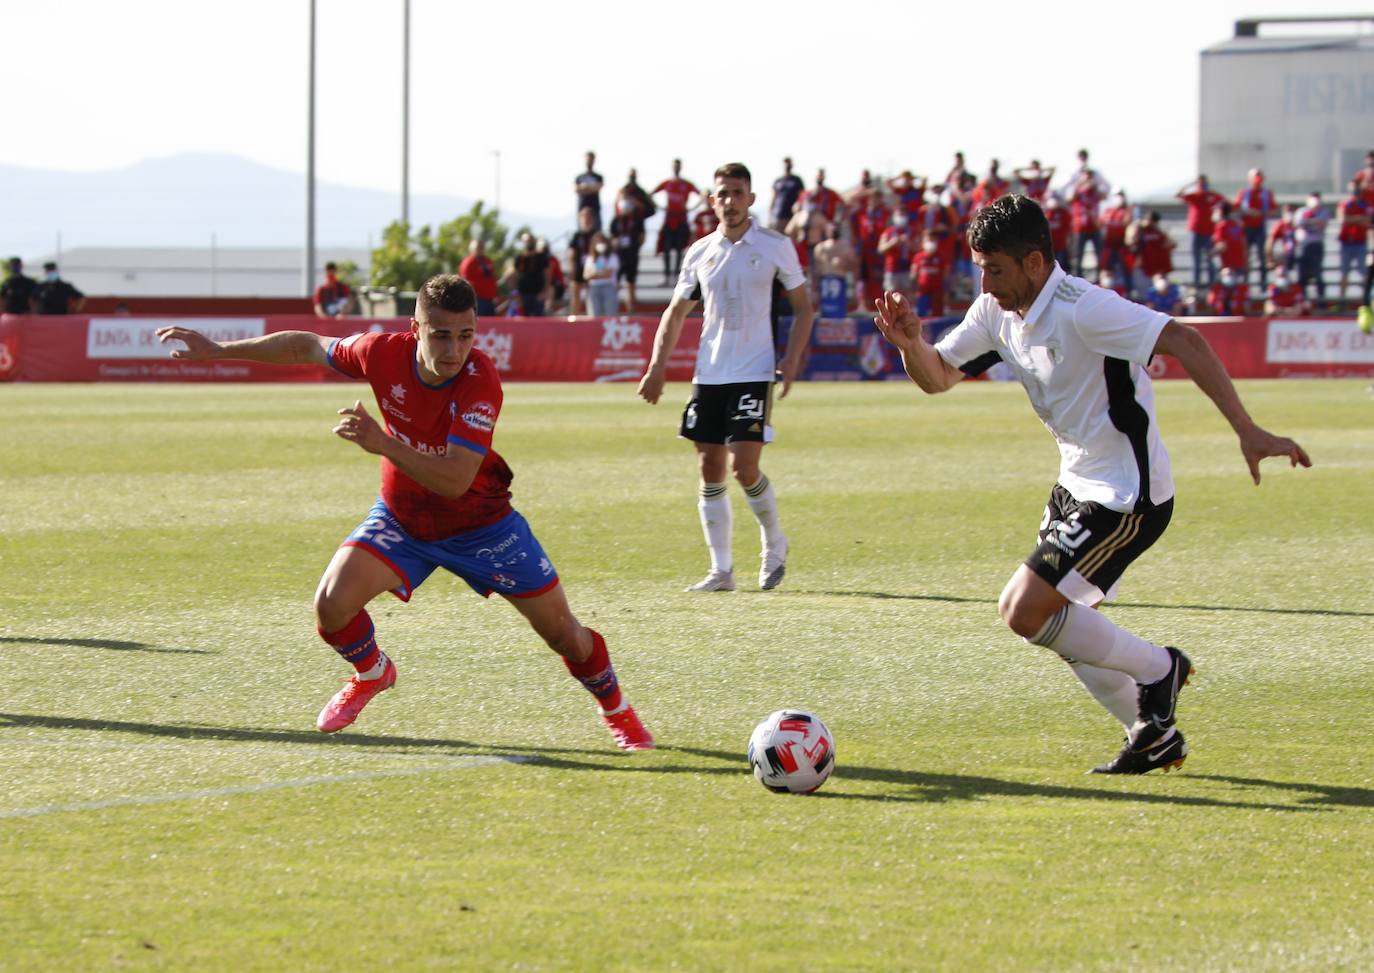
pixel 1302 113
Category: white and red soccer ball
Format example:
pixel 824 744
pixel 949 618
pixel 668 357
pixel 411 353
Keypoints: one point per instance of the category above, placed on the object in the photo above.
pixel 791 751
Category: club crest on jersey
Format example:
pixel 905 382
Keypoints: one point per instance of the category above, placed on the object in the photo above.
pixel 755 262
pixel 398 392
pixel 481 415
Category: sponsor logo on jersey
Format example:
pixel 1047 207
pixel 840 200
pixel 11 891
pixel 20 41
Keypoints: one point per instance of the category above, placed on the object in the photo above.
pixel 481 415
pixel 391 410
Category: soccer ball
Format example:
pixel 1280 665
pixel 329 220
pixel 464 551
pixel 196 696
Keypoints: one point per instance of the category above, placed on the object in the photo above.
pixel 791 752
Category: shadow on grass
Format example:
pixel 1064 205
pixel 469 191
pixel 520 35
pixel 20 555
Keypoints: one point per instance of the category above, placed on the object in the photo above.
pixel 886 595
pixel 912 786
pixel 100 644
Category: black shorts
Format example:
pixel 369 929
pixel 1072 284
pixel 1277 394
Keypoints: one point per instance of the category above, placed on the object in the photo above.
pixel 676 238
pixel 1084 547
pixel 737 413
pixel 629 265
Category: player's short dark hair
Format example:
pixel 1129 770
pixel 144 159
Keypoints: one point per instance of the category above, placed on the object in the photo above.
pixel 447 292
pixel 1014 225
pixel 734 170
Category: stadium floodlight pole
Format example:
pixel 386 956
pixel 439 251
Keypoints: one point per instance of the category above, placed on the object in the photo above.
pixel 308 271
pixel 405 115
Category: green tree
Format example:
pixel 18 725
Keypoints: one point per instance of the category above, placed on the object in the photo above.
pixel 405 260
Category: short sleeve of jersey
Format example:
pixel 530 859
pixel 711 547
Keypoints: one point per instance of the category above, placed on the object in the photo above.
pixel 349 355
pixel 789 266
pixel 1114 327
pixel 475 408
pixel 688 285
pixel 971 338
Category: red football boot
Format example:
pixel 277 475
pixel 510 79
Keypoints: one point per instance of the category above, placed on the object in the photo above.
pixel 348 702
pixel 628 732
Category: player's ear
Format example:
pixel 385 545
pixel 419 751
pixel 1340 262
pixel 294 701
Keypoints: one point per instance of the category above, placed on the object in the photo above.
pixel 415 327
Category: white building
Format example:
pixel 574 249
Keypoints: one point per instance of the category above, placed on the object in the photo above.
pixel 1298 106
pixel 194 271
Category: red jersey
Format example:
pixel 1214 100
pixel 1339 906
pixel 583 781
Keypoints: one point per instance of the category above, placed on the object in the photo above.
pixel 704 223
pixel 1227 300
pixel 1058 218
pixel 1256 198
pixel 1200 206
pixel 987 191
pixel 928 272
pixel 1153 244
pixel 1231 236
pixel 1035 187
pixel 825 198
pixel 869 227
pixel 896 259
pixel 1114 223
pixel 677 191
pixel 1353 232
pixel 1084 210
pixel 479 272
pixel 1290 295
pixel 461 413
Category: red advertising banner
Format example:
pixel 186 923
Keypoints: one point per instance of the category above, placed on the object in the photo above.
pixel 126 349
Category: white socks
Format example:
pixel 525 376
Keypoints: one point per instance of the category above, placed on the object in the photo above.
pixel 378 668
pixel 714 508
pixel 764 503
pixel 1116 691
pixel 1086 635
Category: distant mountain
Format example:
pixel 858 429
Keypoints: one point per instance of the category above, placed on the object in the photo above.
pixel 180 200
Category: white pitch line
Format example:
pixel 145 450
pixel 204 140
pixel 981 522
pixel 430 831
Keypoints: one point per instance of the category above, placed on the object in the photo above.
pixel 459 764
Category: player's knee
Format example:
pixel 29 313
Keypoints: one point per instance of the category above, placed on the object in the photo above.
pixel 1019 614
pixel 562 636
pixel 746 474
pixel 331 613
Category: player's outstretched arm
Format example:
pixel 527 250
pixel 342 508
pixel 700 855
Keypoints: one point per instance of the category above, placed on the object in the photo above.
pixel 665 340
pixel 898 323
pixel 280 348
pixel 1206 370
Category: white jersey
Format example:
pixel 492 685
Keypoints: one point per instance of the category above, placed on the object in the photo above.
pixel 735 282
pixel 1081 353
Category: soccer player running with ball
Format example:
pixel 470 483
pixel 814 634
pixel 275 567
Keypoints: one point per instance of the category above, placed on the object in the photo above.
pixel 730 413
pixel 445 498
pixel 1081 353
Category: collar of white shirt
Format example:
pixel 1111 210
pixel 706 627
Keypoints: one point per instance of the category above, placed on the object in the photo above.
pixel 1046 295
pixel 749 235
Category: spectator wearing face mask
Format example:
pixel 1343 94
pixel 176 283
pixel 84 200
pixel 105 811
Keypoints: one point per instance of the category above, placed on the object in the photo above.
pixel 1310 234
pixel 1285 298
pixel 1283 240
pixel 1108 280
pixel 627 239
pixel 1201 203
pixel 1164 296
pixel 1353 214
pixel 532 275
pixel 826 200
pixel 601 270
pixel 1229 296
pixel 1061 228
pixel 1228 239
pixel 894 247
pixel 1116 217
pixel 55 295
pixel 908 195
pixel 1084 202
pixel 1153 247
pixel 871 223
pixel 929 271
pixel 1254 205
pixel 19 292
pixel 478 271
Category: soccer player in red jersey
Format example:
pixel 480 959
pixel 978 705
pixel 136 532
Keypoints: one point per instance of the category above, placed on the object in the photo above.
pixel 445 498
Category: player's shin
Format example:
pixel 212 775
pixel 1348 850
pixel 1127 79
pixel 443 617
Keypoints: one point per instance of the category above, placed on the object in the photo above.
pixel 597 675
pixel 764 503
pixel 356 644
pixel 1088 636
pixel 714 509
pixel 1115 691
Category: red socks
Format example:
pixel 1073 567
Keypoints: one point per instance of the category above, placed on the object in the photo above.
pixel 598 675
pixel 356 642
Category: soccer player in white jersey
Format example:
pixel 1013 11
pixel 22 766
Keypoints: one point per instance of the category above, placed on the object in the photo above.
pixel 729 416
pixel 1081 352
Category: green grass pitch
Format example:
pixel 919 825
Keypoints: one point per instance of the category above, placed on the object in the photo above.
pixel 167 804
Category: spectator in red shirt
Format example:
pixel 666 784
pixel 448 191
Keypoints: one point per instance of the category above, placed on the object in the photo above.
pixel 1283 243
pixel 1311 239
pixel 928 272
pixel 989 188
pixel 704 223
pixel 1201 201
pixel 1152 246
pixel 1084 201
pixel 894 247
pixel 871 223
pixel 826 199
pixel 1255 204
pixel 1035 182
pixel 1353 213
pixel 957 172
pixel 1285 299
pixel 1228 239
pixel 909 193
pixel 1365 178
pixel 1061 227
pixel 677 193
pixel 1116 217
pixel 333 298
pixel 478 271
pixel 1229 295
pixel 938 221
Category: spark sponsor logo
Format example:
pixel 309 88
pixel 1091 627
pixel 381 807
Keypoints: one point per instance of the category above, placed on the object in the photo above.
pixel 481 416
pixel 616 333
